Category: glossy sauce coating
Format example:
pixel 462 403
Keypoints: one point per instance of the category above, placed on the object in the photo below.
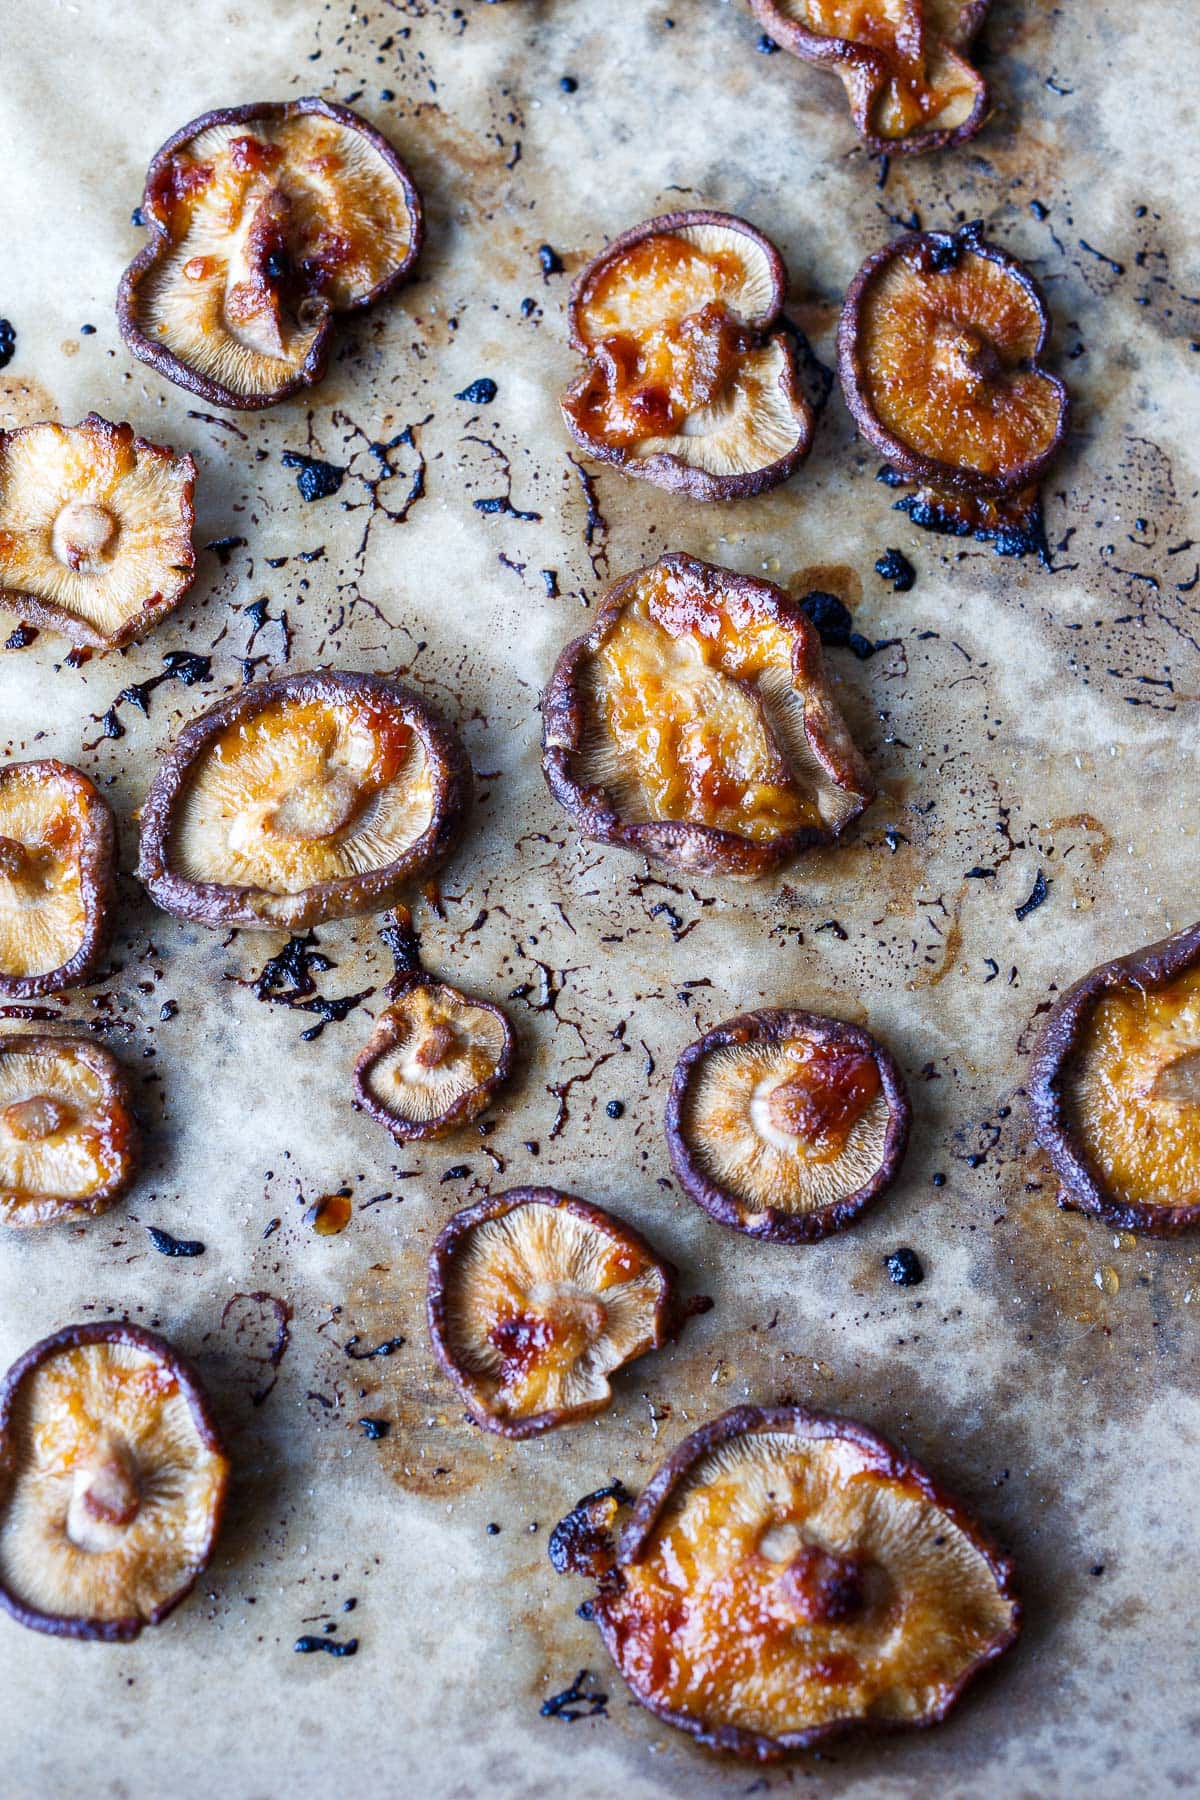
pixel 823 1096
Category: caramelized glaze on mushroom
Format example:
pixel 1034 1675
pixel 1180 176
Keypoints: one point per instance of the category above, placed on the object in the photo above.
pixel 308 798
pixel 57 878
pixel 695 723
pixel 112 1483
pixel 68 1141
pixel 690 380
pixel 787 1576
pixel 267 221
pixel 1115 1089
pixel 785 1124
pixel 95 530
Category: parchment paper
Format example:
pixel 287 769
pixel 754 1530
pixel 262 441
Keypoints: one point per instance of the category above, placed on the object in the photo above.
pixel 1024 720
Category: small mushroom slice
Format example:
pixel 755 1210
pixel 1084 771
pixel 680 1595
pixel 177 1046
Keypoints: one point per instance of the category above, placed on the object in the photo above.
pixel 535 1299
pixel 112 1482
pixel 436 1057
pixel 695 723
pixel 788 1576
pixel 57 878
pixel 313 797
pixel 1114 1090
pixel 68 1140
pixel 266 221
pixel 785 1124
pixel 939 352
pixel 95 530
pixel 903 64
pixel 690 379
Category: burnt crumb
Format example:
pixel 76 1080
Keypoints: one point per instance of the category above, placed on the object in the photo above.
pixel 493 1530
pixel 550 582
pixel 576 1702
pixel 305 1646
pixel 316 480
pixel 893 838
pixel 459 1172
pixel 186 666
pixel 374 1429
pixel 905 1268
pixel 1038 892
pixel 501 503
pixel 223 548
pixel 287 979
pixel 833 925
pixel 551 261
pixel 568 84
pixel 830 615
pixel 167 1245
pixel 1096 1569
pixel 20 637
pixel 615 1109
pixel 137 217
pixel 895 567
pixel 1013 527
pixel 980 874
pixel 350 1604
pixel 167 1010
pixel 8 342
pixel 479 393
pixel 939 1180
pixel 766 46
pixel 387 1348
pixel 582 1542
pixel 945 251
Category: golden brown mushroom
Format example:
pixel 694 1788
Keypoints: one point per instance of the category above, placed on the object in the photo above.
pixel 939 351
pixel 1114 1090
pixel 690 379
pixel 695 723
pixel 535 1299
pixel 267 221
pixel 95 530
pixel 787 1576
pixel 57 878
pixel 785 1124
pixel 112 1482
pixel 68 1139
pixel 903 64
pixel 312 797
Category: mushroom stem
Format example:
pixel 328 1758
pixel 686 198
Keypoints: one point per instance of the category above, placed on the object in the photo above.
pixel 1178 1082
pixel 81 534
pixel 824 1587
pixel 37 1117
pixel 106 1497
pixel 967 355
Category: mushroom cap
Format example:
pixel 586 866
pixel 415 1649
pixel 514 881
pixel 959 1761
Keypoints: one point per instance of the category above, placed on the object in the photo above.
pixel 1114 1089
pixel 902 62
pixel 785 1124
pixel 690 382
pixel 695 723
pixel 787 1576
pixel 938 352
pixel 112 1482
pixel 57 878
pixel 434 1060
pixel 535 1298
pixel 267 221
pixel 95 530
pixel 68 1138
pixel 313 797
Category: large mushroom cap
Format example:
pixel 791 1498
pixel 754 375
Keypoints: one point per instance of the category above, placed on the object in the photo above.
pixel 786 1576
pixel 785 1124
pixel 902 63
pixel 112 1482
pixel 1115 1088
pixel 308 798
pixel 95 530
pixel 267 221
pixel 695 723
pixel 433 1062
pixel 68 1141
pixel 938 352
pixel 535 1299
pixel 688 382
pixel 57 878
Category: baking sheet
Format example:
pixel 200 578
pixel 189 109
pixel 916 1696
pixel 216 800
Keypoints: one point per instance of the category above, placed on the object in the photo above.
pixel 1024 720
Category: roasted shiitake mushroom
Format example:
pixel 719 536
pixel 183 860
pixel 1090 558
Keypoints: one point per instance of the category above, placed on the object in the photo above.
pixel 787 1576
pixel 437 1056
pixel 57 878
pixel 112 1482
pixel 68 1139
pixel 690 379
pixel 535 1299
pixel 903 64
pixel 311 797
pixel 939 351
pixel 695 723
pixel 1114 1090
pixel 785 1124
pixel 95 530
pixel 266 222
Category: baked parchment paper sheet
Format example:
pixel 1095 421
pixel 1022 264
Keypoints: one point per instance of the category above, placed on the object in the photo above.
pixel 1022 719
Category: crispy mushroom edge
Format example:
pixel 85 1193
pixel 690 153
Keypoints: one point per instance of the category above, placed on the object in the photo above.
pixel 163 361
pixel 742 1421
pixel 770 1026
pixel 384 1038
pixel 98 879
pixel 669 1317
pixel 1081 1189
pixel 700 849
pixel 73 1337
pixel 214 903
pixel 666 470
pixel 925 247
pixel 117 1091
